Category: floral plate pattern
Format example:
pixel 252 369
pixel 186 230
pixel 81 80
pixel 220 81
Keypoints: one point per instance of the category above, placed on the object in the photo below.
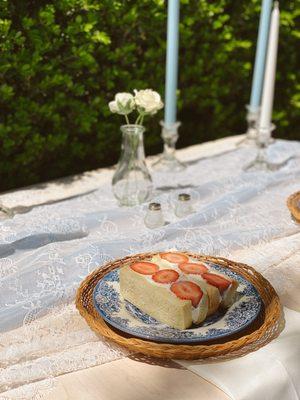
pixel 124 316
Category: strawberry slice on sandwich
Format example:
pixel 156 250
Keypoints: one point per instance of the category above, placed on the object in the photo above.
pixel 174 258
pixel 165 276
pixel 193 268
pixel 226 286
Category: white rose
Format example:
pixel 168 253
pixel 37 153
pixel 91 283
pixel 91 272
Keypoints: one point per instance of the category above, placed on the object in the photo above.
pixel 123 104
pixel 148 101
pixel 113 106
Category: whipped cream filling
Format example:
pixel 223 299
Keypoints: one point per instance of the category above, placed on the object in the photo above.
pixel 196 278
pixel 196 310
pixel 212 270
pixel 164 264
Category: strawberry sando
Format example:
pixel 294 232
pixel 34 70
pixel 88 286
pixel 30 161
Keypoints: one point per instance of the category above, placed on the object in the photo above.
pixel 174 289
pixel 220 288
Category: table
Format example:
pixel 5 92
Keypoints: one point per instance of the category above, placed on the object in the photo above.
pixel 128 379
pixel 49 248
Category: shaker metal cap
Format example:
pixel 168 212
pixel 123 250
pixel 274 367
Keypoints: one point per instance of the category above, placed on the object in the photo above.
pixel 184 197
pixel 154 206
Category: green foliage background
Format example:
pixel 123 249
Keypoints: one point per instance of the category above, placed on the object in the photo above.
pixel 61 61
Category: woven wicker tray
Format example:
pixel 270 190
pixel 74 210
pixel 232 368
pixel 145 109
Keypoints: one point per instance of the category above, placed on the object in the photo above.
pixel 267 326
pixel 292 203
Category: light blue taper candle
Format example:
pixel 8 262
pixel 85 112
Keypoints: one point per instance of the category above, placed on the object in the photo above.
pixel 172 62
pixel 260 57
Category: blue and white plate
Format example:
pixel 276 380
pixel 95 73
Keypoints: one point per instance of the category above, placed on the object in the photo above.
pixel 124 316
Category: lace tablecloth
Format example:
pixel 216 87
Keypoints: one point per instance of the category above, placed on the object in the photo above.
pixel 47 251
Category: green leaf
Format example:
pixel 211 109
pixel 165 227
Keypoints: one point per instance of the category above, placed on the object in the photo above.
pixel 101 37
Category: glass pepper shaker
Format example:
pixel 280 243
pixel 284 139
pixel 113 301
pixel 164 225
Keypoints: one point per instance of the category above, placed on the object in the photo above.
pixel 154 217
pixel 184 205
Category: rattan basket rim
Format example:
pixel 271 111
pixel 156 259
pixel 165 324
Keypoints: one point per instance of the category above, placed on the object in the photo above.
pixel 249 340
pixel 293 206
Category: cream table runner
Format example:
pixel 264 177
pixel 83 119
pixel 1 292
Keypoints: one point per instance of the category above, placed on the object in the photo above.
pixel 270 373
pixel 46 251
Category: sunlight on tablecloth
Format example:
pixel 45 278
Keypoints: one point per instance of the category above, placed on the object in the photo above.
pixel 45 253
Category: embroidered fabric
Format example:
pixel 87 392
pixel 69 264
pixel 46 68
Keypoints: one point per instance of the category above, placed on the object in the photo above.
pixel 46 252
pixel 49 346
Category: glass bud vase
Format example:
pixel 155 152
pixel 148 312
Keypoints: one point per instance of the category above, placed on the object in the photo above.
pixel 132 183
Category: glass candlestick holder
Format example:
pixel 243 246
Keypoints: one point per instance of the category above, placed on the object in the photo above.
pixel 262 162
pixel 6 212
pixel 251 134
pixel 168 160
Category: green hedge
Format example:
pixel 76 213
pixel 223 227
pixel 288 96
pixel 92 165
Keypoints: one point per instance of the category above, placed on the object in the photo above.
pixel 61 61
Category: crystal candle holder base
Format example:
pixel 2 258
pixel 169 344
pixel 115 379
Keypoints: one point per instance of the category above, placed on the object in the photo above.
pixel 168 160
pixel 6 212
pixel 251 134
pixel 262 161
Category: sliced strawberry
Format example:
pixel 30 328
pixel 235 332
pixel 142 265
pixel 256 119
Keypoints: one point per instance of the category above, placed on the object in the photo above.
pixel 144 267
pixel 218 281
pixel 186 290
pixel 165 276
pixel 193 268
pixel 176 258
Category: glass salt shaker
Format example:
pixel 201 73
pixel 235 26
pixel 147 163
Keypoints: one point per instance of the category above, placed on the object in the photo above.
pixel 184 205
pixel 154 217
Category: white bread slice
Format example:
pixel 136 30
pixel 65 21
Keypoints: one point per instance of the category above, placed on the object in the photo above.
pixel 228 297
pixel 159 302
pixel 213 299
